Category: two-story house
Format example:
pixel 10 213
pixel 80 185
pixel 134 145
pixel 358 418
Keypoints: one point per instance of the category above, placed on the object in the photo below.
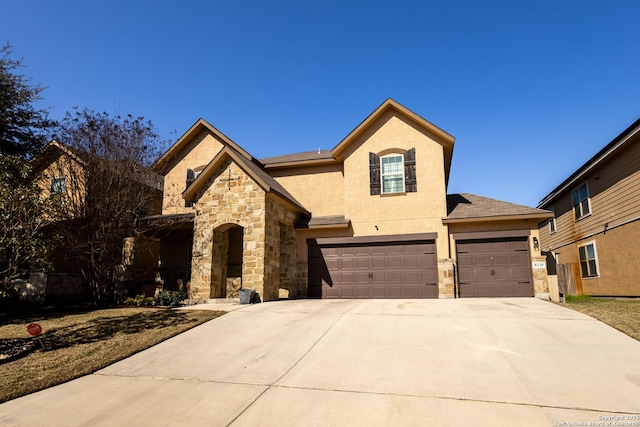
pixel 595 232
pixel 60 171
pixel 370 218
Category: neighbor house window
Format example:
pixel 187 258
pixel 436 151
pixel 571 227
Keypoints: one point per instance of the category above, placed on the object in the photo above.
pixel 392 172
pixel 580 200
pixel 58 186
pixel 552 222
pixel 588 260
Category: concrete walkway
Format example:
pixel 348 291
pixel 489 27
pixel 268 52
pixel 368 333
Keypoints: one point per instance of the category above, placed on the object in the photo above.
pixel 480 362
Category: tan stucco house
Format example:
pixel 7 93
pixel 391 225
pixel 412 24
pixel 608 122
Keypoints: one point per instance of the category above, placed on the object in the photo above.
pixel 595 233
pixel 60 172
pixel 370 218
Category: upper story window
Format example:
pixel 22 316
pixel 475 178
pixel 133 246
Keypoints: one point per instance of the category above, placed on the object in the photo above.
pixel 392 168
pixel 588 260
pixel 191 176
pixel 552 226
pixel 58 186
pixel 393 173
pixel 580 201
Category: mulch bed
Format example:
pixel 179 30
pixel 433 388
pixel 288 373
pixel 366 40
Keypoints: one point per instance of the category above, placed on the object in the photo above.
pixel 15 348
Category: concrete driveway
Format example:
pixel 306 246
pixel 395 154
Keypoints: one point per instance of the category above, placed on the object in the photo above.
pixel 481 362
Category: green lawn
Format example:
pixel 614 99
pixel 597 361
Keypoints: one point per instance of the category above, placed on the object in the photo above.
pixel 621 313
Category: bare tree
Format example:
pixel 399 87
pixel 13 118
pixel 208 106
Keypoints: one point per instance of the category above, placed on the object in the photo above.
pixel 108 188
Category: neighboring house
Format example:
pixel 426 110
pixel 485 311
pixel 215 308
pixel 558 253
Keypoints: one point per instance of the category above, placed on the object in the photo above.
pixel 60 173
pixel 369 218
pixel 595 232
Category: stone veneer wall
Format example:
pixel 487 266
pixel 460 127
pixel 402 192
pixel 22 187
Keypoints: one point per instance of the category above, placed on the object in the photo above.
pixel 280 263
pixel 446 278
pixel 540 278
pixel 302 278
pixel 230 198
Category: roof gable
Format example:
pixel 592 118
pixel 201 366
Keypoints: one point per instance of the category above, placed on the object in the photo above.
pixel 439 135
pixel 251 167
pixel 601 156
pixel 53 150
pixel 175 150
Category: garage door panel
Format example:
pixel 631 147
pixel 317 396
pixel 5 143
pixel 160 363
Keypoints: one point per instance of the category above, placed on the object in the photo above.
pixel 429 277
pixel 412 277
pixel 394 277
pixel 501 259
pixel 363 292
pixel 494 267
pixel 520 274
pixel 520 258
pixel 377 250
pixel 378 292
pixel 502 273
pixel 403 270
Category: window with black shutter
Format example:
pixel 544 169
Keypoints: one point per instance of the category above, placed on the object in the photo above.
pixel 410 183
pixel 374 174
pixel 393 173
pixel 191 176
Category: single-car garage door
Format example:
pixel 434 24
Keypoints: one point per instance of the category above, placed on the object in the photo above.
pixel 405 269
pixel 494 268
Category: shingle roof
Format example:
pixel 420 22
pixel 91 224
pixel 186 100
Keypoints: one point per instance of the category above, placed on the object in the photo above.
pixel 250 166
pixel 324 221
pixel 469 206
pixel 297 157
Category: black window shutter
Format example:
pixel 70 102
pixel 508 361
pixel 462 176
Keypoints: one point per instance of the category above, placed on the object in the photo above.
pixel 374 174
pixel 191 176
pixel 410 183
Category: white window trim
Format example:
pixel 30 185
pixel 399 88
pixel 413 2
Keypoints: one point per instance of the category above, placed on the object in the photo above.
pixel 382 175
pixel 576 218
pixel 554 229
pixel 595 254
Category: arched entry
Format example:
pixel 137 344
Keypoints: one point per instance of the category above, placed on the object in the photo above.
pixel 226 266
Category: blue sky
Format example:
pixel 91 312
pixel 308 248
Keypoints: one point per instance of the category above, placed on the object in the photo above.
pixel 530 89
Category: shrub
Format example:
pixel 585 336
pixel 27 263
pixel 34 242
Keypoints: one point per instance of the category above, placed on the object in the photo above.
pixel 170 298
pixel 140 301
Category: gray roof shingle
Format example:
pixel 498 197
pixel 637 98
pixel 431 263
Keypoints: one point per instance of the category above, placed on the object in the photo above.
pixel 468 206
pixel 297 157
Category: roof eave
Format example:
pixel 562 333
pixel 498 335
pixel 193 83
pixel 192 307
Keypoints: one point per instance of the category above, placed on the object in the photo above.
pixel 601 156
pixel 191 191
pixel 197 127
pixel 498 218
pixel 445 139
pixel 301 163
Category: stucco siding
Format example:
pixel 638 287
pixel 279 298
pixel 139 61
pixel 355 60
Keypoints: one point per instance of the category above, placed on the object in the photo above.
pixel 401 213
pixel 320 189
pixel 197 153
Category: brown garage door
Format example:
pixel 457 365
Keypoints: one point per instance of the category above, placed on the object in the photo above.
pixel 384 270
pixel 494 268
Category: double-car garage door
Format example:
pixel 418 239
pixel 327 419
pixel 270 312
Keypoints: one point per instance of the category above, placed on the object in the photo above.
pixel 358 268
pixel 494 266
